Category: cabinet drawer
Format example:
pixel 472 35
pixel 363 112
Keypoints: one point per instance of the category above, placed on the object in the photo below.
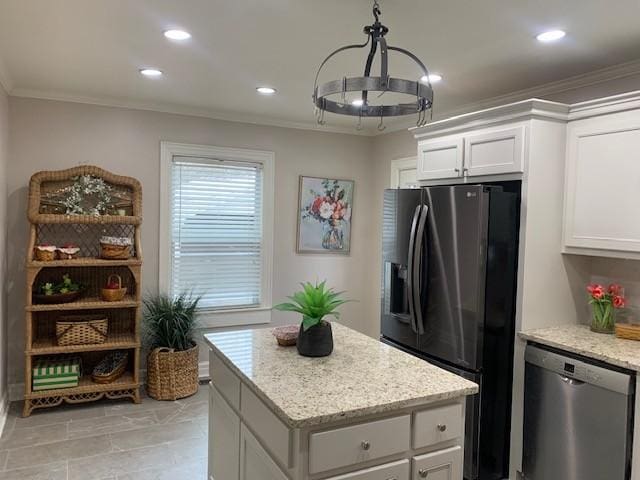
pixel 437 425
pixel 389 471
pixel 358 443
pixel 274 435
pixel 440 465
pixel 225 380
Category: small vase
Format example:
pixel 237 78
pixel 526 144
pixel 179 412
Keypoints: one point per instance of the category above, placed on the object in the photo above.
pixel 603 318
pixel 316 341
pixel 332 235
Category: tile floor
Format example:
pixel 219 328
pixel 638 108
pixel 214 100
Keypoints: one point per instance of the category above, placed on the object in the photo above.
pixel 108 440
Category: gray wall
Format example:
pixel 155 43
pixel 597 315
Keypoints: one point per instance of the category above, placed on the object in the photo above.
pixel 4 159
pixel 55 135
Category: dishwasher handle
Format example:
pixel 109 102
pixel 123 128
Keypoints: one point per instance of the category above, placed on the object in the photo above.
pixel 580 370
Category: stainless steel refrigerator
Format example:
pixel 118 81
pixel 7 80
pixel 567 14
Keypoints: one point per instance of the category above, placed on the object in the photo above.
pixel 448 296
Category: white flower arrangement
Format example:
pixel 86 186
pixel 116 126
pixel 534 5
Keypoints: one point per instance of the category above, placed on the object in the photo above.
pixel 84 186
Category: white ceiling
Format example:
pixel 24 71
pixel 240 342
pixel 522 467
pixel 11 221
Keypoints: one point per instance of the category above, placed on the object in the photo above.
pixel 91 49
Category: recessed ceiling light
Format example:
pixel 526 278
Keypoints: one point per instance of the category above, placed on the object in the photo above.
pixel 550 36
pixel 266 90
pixel 433 78
pixel 177 35
pixel 358 102
pixel 150 72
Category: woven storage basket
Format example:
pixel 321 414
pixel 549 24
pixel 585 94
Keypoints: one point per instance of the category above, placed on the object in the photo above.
pixel 44 255
pixel 115 252
pixel 81 329
pixel 114 294
pixel 172 375
pixel 628 331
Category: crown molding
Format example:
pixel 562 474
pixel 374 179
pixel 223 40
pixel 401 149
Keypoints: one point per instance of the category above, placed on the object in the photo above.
pixel 184 110
pixel 605 105
pixel 523 110
pixel 571 83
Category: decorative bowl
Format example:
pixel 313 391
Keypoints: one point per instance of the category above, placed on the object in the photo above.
pixel 287 335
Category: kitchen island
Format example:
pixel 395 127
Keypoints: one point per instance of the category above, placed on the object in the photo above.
pixel 366 412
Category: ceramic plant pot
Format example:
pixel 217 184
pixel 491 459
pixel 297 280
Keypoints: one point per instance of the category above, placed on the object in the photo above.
pixel 316 341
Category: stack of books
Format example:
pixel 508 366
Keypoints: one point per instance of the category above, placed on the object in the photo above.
pixel 51 373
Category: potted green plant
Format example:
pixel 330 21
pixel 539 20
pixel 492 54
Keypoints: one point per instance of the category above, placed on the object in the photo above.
pixel 172 364
pixel 314 302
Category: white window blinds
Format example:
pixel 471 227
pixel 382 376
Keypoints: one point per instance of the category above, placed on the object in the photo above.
pixel 216 228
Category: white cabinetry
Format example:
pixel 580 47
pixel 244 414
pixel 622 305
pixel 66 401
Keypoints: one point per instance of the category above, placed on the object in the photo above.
pixel 603 186
pixel 440 159
pixel 255 462
pixel 224 438
pixel 248 440
pixel 493 151
pixel 440 465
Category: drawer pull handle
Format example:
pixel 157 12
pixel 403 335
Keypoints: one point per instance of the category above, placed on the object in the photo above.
pixel 365 445
pixel 423 473
pixel 442 427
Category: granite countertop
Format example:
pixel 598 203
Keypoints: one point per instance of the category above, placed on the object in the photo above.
pixel 581 340
pixel 362 376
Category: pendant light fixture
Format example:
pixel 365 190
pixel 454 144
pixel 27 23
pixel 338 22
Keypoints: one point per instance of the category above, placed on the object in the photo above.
pixel 332 96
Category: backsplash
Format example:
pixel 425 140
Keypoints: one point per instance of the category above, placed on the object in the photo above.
pixel 624 272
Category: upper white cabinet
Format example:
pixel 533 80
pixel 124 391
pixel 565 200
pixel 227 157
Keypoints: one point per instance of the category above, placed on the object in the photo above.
pixel 603 186
pixel 494 152
pixel 477 153
pixel 440 159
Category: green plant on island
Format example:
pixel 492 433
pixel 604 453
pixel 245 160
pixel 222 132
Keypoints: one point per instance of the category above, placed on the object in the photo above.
pixel 313 302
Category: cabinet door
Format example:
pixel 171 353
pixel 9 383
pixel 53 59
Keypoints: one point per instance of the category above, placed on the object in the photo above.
pixel 494 152
pixel 440 465
pixel 224 438
pixel 440 159
pixel 255 462
pixel 603 186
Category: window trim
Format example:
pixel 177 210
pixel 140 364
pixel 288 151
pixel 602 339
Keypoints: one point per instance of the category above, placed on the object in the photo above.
pixel 231 316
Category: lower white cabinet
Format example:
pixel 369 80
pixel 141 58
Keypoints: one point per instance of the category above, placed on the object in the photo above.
pixel 255 462
pixel 354 444
pixel 224 438
pixel 389 471
pixel 248 441
pixel 441 465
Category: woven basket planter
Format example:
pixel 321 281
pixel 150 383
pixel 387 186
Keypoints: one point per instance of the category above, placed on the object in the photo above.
pixel 172 375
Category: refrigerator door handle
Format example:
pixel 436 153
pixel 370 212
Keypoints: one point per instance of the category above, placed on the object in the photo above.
pixel 417 268
pixel 410 267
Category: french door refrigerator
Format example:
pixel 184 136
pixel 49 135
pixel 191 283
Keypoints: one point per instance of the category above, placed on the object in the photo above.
pixel 449 286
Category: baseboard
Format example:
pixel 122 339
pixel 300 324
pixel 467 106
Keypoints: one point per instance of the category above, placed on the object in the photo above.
pixel 16 390
pixel 4 412
pixel 203 371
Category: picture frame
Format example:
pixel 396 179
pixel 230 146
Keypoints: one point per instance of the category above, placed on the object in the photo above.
pixel 325 215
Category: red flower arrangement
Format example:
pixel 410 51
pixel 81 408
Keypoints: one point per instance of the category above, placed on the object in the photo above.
pixel 604 302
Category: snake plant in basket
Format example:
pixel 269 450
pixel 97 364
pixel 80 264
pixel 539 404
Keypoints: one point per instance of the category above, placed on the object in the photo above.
pixel 314 302
pixel 169 327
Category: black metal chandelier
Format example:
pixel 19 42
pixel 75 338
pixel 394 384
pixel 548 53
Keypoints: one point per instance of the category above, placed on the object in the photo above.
pixel 421 89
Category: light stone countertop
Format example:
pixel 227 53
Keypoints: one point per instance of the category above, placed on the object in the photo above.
pixel 581 340
pixel 362 376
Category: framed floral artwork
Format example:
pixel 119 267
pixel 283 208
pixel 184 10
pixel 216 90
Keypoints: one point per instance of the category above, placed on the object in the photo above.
pixel 324 215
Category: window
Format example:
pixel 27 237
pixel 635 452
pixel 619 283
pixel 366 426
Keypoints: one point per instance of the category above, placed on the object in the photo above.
pixel 216 224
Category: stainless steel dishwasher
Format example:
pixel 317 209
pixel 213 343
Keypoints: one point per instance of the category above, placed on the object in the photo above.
pixel 578 418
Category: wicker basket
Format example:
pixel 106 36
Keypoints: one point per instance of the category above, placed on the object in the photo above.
pixel 172 375
pixel 44 255
pixel 115 252
pixel 628 331
pixel 114 294
pixel 81 329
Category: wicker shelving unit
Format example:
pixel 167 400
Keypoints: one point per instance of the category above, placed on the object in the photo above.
pixel 48 225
